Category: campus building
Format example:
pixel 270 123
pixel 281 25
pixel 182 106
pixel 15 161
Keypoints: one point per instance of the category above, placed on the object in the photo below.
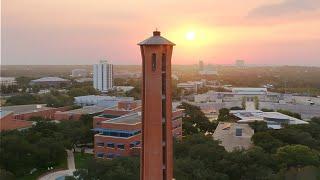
pixel 274 120
pixel 103 76
pixel 233 136
pixel 76 114
pixel 9 122
pixel 25 112
pixel 238 94
pixel 119 130
pixel 104 101
pixel 8 81
pixel 50 81
pixel 18 117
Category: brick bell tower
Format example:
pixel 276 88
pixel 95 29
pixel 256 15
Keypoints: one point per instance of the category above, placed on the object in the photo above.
pixel 156 152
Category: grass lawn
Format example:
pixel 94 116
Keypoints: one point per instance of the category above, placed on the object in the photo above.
pixel 81 159
pixel 35 175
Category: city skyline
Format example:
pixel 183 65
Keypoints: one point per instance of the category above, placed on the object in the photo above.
pixel 82 32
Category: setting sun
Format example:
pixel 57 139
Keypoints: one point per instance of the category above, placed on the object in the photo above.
pixel 190 36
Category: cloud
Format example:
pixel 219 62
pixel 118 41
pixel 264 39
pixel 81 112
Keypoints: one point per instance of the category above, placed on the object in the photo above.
pixel 286 7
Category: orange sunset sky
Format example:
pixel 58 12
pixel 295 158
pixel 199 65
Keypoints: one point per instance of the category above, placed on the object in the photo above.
pixel 269 32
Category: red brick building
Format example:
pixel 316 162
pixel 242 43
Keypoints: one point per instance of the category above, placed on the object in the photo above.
pixel 25 112
pixel 119 131
pixel 16 117
pixel 8 122
pixel 75 114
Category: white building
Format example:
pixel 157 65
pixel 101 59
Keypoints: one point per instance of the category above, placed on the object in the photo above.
pixel 252 91
pixel 104 101
pixel 123 88
pixel 103 76
pixel 191 85
pixel 274 120
pixel 233 136
pixel 208 72
pixel 7 81
pixel 79 73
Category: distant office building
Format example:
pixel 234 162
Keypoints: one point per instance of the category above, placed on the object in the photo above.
pixel 83 80
pixel 237 95
pixel 104 101
pixel 50 81
pixel 240 63
pixel 191 85
pixel 7 81
pixel 79 73
pixel 206 70
pixel 103 76
pixel 248 90
pixel 201 67
pixel 123 88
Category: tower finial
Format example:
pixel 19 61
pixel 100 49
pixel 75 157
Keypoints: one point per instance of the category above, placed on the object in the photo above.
pixel 156 32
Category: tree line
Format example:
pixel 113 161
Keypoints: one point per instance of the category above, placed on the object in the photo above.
pixel 41 146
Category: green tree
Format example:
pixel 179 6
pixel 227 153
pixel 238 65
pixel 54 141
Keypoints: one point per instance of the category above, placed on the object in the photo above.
pixel 82 91
pixel 256 102
pixel 236 108
pixel 259 126
pixel 124 168
pixel 6 175
pixel 266 141
pixel 243 103
pixel 22 99
pixel 297 156
pixel 267 110
pixel 289 113
pixel 195 120
pixel 224 114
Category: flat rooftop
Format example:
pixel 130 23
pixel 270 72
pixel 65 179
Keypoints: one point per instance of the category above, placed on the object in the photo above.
pixel 258 115
pixel 50 79
pixel 4 113
pixel 21 109
pixel 86 110
pixel 130 119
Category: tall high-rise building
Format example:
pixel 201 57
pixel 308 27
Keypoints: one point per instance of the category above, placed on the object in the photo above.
pixel 156 154
pixel 103 76
pixel 201 67
pixel 240 63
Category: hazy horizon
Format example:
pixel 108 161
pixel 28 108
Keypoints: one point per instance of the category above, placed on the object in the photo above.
pixel 77 32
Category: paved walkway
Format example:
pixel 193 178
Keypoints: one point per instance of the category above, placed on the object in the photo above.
pixel 58 174
pixel 250 106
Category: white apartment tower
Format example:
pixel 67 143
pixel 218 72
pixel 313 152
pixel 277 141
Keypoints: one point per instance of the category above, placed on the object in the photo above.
pixel 103 76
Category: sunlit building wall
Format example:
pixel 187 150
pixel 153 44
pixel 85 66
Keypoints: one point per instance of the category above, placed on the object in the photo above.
pixel 103 76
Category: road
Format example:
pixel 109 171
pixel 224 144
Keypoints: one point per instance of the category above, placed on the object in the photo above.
pixel 58 174
pixel 250 106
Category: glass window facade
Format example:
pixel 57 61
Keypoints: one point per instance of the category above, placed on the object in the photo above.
pixel 117 133
pixel 110 145
pixel 121 146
